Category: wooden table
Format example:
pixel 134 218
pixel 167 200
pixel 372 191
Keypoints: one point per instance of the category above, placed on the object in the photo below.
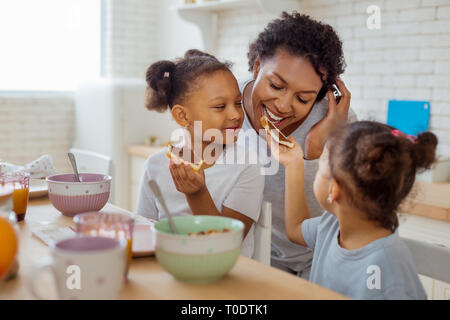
pixel 248 279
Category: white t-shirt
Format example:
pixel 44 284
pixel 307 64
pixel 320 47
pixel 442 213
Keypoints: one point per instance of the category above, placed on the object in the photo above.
pixel 238 186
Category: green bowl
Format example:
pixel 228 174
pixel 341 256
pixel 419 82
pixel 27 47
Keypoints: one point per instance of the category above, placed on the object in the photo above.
pixel 198 258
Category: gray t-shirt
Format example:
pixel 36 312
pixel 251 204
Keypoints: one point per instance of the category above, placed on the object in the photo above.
pixel 285 254
pixel 381 270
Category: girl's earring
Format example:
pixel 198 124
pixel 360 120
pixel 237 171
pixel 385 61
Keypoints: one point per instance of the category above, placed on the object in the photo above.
pixel 329 199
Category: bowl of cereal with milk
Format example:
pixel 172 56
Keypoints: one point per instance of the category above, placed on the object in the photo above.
pixel 204 249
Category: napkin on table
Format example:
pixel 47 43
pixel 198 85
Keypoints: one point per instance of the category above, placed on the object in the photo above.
pixel 39 168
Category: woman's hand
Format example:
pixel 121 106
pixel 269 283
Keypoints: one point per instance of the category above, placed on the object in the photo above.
pixel 186 180
pixel 337 115
pixel 283 154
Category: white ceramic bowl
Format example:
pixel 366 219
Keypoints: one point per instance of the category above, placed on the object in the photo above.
pixel 198 258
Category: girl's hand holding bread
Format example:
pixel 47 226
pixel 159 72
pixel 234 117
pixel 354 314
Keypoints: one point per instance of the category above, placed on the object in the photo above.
pixel 186 180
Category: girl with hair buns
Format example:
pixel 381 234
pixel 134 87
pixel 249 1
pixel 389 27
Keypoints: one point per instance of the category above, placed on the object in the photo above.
pixel 365 172
pixel 200 89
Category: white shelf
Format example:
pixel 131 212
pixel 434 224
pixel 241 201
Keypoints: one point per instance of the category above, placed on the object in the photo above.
pixel 205 14
pixel 216 6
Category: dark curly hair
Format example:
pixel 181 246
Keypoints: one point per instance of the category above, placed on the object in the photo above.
pixel 377 168
pixel 169 82
pixel 304 37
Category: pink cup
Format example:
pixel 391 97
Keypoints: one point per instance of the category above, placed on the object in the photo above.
pixel 104 224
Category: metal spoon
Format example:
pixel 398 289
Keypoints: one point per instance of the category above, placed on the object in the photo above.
pixel 157 192
pixel 74 166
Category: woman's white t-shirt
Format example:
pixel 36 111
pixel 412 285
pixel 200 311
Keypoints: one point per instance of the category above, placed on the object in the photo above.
pixel 237 185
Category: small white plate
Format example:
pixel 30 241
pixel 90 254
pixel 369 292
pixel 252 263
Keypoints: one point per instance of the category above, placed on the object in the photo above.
pixel 38 188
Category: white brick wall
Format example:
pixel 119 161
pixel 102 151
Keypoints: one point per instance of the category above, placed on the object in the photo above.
pixel 130 37
pixel 408 58
pixel 36 125
pixel 236 30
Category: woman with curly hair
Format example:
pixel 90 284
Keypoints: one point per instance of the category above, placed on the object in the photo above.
pixel 295 60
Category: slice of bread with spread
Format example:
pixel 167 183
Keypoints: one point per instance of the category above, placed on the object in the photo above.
pixel 195 166
pixel 276 134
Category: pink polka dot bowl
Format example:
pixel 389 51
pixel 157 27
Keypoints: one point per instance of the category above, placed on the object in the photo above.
pixel 70 197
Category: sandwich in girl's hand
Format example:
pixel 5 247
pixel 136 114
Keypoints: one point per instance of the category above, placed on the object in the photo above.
pixel 195 175
pixel 195 166
pixel 365 171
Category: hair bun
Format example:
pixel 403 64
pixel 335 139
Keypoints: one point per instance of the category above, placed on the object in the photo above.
pixel 159 87
pixel 424 150
pixel 155 73
pixel 192 53
pixel 376 156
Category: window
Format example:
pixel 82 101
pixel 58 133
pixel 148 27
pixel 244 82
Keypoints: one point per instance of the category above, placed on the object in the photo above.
pixel 49 44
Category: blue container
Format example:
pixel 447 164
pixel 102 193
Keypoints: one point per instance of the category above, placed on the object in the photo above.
pixel 410 117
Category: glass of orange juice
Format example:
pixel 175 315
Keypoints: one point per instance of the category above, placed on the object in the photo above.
pixel 115 225
pixel 20 182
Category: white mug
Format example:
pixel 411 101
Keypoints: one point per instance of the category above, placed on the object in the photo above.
pixel 86 268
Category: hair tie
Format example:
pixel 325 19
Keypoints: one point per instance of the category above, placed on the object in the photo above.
pixel 166 74
pixel 398 133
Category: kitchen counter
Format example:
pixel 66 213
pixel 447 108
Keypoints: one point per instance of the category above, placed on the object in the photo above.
pixel 137 155
pixel 430 200
pixel 142 151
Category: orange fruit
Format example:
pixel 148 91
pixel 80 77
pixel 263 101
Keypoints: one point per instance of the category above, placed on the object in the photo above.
pixel 8 246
